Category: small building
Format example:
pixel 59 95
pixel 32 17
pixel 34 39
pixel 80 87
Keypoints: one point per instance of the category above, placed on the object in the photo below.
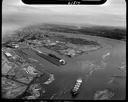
pixel 70 52
pixel 8 54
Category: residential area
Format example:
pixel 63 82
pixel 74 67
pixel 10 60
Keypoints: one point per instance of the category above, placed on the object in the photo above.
pixel 18 76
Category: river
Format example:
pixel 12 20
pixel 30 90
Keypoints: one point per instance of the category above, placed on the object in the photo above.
pixel 99 70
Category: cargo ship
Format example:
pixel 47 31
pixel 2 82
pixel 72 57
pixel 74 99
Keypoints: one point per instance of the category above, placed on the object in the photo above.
pixel 50 57
pixel 75 89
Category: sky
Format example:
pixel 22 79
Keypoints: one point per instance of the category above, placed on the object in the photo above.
pixel 17 14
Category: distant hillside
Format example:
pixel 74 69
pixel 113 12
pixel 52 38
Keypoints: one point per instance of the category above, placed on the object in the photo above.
pixel 108 32
pixel 39 31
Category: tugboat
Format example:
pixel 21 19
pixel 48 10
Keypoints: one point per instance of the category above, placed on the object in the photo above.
pixel 76 88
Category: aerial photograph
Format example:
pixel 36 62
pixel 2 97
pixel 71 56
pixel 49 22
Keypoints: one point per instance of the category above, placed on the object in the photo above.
pixel 63 52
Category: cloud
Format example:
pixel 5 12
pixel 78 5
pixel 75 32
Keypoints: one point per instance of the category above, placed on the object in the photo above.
pixel 111 13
